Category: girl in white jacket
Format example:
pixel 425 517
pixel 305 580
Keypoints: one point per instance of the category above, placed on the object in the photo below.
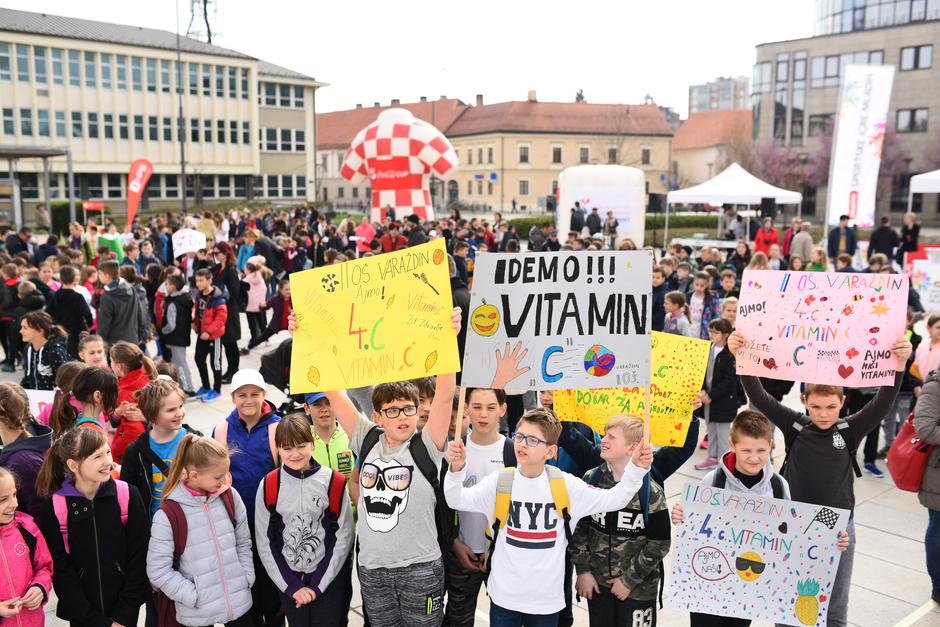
pixel 213 583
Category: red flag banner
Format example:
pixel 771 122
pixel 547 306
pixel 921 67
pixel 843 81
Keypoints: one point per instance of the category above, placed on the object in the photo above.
pixel 136 181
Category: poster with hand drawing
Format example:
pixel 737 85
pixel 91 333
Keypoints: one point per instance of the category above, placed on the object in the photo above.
pixel 554 321
pixel 757 558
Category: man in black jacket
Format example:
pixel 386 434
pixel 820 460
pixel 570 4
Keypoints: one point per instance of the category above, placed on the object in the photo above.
pixel 461 297
pixel 19 242
pixel 883 240
pixel 417 235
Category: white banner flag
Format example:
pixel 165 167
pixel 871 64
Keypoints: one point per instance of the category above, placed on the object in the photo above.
pixel 857 143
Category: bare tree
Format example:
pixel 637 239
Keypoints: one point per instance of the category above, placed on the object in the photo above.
pixel 615 144
pixel 740 148
pixel 579 97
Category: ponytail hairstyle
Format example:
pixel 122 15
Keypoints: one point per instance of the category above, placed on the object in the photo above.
pixel 194 453
pixel 704 276
pixel 150 397
pixel 75 444
pixel 91 380
pixel 677 299
pixel 63 414
pixel 41 321
pixel 131 357
pixel 14 407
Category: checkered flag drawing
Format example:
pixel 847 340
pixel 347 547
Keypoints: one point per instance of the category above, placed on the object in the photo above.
pixel 826 517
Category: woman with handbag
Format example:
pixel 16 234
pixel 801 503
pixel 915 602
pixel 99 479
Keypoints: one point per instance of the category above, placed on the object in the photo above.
pixel 927 425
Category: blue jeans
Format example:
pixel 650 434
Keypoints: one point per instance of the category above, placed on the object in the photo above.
pixel 500 617
pixel 933 547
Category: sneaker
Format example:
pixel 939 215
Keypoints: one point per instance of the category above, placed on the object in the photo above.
pixel 202 392
pixel 211 396
pixel 883 453
pixel 710 462
pixel 244 352
pixel 935 595
pixel 189 394
pixel 873 470
pixel 9 368
pixel 704 443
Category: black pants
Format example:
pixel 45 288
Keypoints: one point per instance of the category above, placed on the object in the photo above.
pixel 5 341
pixel 211 350
pixel 855 403
pixel 231 358
pixel 257 321
pixel 514 410
pixel 242 621
pixel 326 610
pixel 266 335
pixel 266 608
pixel 73 346
pixel 565 617
pixel 606 610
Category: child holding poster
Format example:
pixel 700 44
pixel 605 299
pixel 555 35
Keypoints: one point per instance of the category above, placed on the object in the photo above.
pixel 618 556
pixel 821 457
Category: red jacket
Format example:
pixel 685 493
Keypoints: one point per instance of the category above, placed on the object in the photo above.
pixel 214 312
pixel 763 240
pixel 128 430
pixel 388 246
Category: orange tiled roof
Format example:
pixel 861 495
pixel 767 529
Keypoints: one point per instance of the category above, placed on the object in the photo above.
pixel 711 128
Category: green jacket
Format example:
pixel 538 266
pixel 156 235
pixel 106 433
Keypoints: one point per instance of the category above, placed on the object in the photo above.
pixel 621 544
pixel 334 454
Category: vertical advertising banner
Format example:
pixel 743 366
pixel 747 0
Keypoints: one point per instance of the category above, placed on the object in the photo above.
pixel 856 145
pixel 136 182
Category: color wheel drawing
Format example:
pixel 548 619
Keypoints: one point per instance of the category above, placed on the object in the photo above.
pixel 599 361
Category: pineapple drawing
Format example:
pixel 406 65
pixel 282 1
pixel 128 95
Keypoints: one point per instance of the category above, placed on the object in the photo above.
pixel 807 607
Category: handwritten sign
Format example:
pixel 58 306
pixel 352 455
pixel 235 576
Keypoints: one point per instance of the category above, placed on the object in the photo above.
pixel 756 558
pixel 374 320
pixel 678 372
pixel 188 241
pixel 925 278
pixel 825 327
pixel 38 399
pixel 554 321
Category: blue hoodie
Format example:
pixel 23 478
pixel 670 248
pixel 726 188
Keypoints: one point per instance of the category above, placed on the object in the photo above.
pixel 251 453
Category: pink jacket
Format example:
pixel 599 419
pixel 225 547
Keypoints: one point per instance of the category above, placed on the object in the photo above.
pixel 258 292
pixel 18 574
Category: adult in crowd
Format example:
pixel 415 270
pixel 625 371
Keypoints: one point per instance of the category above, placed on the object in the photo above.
pixel 538 236
pixel 577 218
pixel 727 223
pixel 910 233
pixel 795 225
pixel 19 242
pixel 365 233
pixel 766 237
pixel 842 240
pixel 594 222
pixel 802 243
pixel 739 258
pixel 43 221
pixel 79 241
pixel 883 240
pixel 416 235
pixel 927 426
pixel 393 240
pixel 272 256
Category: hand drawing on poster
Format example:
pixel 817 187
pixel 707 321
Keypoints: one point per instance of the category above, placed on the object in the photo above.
pixel 677 374
pixel 757 558
pixel 826 327
pixel 555 321
pixel 373 320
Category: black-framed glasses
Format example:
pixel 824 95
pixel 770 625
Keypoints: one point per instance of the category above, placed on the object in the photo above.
pixel 393 412
pixel 530 440
pixel 396 478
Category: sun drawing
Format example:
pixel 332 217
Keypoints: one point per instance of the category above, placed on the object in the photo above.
pixel 881 309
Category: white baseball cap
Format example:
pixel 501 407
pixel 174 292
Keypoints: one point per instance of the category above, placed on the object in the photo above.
pixel 248 376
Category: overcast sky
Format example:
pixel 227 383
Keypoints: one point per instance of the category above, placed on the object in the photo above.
pixel 370 50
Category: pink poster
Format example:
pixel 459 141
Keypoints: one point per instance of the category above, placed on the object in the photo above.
pixel 821 327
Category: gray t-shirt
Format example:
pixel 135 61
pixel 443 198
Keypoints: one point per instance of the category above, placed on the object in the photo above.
pixel 396 513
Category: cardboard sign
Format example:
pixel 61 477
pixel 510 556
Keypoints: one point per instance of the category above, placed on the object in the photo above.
pixel 38 399
pixel 757 558
pixel 374 320
pixel 677 374
pixel 822 327
pixel 188 241
pixel 555 321
pixel 925 279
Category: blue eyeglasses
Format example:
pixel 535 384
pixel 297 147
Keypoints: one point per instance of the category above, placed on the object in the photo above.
pixel 530 440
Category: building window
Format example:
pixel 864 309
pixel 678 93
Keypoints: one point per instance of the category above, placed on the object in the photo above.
pixel 232 83
pixel 761 78
pixel 167 129
pixel 225 186
pixel 123 127
pixel 92 126
pixel 136 73
pixel 26 122
pixel 75 79
pixel 207 182
pixel 469 188
pixel 523 154
pixel 270 94
pixel 171 185
pixel 355 192
pixel 645 156
pixel 584 154
pixel 523 188
pixel 300 141
pixel 164 76
pixel 193 79
pixel 341 192
pixel 207 130
pixel 60 129
pixel 219 81
pixel 22 63
pixel 287 185
pixel 480 155
pixel 106 71
pixel 302 186
pixel 139 127
pixel 39 62
pixel 154 132
pixel 469 156
pixel 912 120
pixel 612 155
pixel 206 80
pixel 241 182
pixel 285 95
pixel 489 187
pixel 42 117
pixel 77 124
pixel 220 131
pixel 916 58
pixel 233 132
pixel 108 126
pixel 245 83
pixel 194 130
pixel 556 154
pixel 246 133
pixel 115 189
pixel 121 62
pixel 89 69
pixel 820 123
pixel 286 140
pixel 93 183
pixel 57 77
pixel 489 154
pixel 270 139
pixel 152 75
pixel 299 96
pixel 554 188
pixel 5 73
pixel 799 98
pixel 480 187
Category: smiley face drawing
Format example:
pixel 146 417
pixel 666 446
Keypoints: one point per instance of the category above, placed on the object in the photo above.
pixel 485 320
pixel 749 566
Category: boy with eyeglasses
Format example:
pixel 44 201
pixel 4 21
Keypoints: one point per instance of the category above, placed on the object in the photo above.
pixel 400 560
pixel 532 541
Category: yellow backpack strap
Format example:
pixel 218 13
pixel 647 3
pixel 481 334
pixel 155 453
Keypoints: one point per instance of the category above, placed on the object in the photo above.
pixel 556 481
pixel 503 495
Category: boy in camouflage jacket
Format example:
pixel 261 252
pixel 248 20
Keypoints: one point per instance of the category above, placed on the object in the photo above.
pixel 617 555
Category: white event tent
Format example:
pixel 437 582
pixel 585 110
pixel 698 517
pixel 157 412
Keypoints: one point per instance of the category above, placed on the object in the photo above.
pixel 927 183
pixel 733 185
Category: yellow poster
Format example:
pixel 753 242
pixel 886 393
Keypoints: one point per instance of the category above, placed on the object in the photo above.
pixel 678 373
pixel 374 320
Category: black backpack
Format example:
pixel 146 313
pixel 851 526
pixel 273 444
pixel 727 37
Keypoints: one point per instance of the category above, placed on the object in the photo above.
pixel 845 430
pixel 445 518
pixel 776 482
pixel 509 452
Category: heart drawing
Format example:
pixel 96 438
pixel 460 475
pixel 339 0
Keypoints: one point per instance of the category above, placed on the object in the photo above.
pixel 845 371
pixel 783 527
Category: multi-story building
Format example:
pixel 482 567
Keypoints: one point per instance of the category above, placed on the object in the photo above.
pixel 719 95
pixel 109 93
pixel 512 152
pixel 795 88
